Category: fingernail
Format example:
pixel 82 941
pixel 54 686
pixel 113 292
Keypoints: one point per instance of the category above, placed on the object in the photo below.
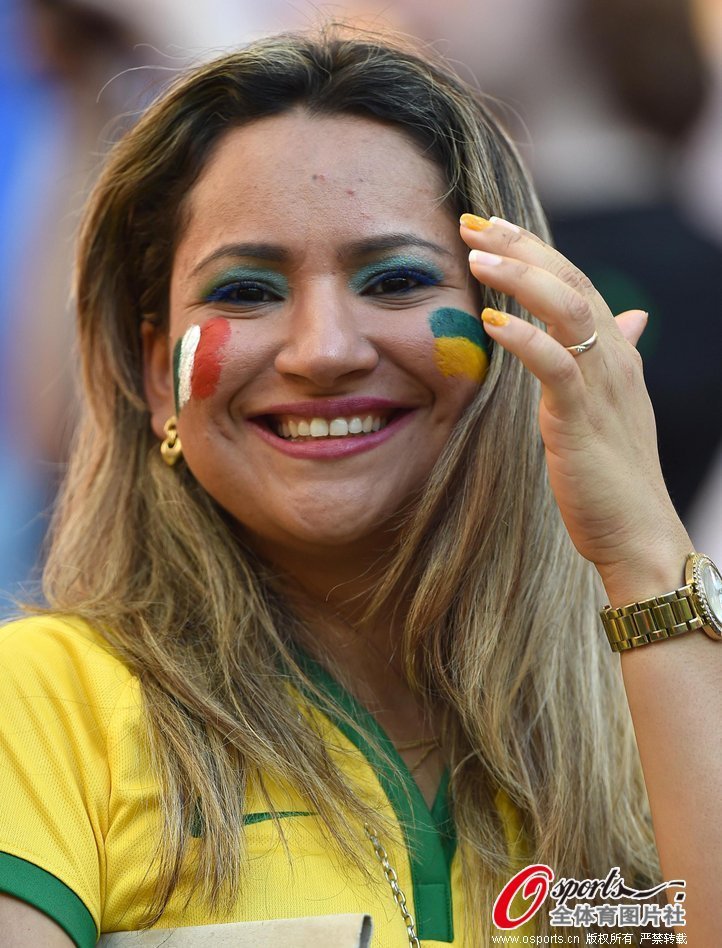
pixel 494 317
pixel 485 259
pixel 502 223
pixel 473 222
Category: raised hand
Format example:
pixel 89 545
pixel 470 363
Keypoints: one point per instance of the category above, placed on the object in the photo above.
pixel 595 416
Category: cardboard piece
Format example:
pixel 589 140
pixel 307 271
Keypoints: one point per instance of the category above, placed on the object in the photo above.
pixel 341 931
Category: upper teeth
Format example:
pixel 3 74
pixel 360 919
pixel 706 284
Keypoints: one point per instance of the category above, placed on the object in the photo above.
pixel 333 428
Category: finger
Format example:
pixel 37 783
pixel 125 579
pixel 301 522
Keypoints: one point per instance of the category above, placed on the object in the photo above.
pixel 510 240
pixel 557 370
pixel 570 316
pixel 632 324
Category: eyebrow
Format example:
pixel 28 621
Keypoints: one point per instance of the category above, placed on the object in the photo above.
pixel 357 248
pixel 261 251
pixel 362 248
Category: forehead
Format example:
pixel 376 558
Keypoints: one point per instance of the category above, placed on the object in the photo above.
pixel 309 173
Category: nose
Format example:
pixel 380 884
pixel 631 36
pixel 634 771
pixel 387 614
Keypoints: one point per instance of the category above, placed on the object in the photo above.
pixel 324 342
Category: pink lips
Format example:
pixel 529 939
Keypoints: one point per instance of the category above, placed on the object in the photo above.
pixel 332 408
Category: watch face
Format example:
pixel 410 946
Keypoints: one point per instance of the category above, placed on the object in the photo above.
pixel 709 586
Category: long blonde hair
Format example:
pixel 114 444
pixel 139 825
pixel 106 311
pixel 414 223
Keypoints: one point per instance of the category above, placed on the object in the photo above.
pixel 501 625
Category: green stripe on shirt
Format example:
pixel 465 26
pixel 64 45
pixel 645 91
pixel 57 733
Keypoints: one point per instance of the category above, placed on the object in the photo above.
pixel 44 891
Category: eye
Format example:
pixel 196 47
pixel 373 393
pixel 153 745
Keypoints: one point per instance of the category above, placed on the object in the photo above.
pixel 242 292
pixel 400 281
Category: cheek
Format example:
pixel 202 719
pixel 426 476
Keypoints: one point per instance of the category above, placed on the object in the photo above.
pixel 198 360
pixel 213 356
pixel 460 344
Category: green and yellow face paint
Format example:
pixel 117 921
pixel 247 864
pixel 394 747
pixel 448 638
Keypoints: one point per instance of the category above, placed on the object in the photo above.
pixel 461 346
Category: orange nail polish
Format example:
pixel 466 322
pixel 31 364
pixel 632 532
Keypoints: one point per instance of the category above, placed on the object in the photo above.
pixel 473 222
pixel 494 317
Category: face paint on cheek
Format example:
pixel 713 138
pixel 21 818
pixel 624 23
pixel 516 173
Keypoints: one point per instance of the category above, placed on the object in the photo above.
pixel 460 344
pixel 197 360
pixel 184 353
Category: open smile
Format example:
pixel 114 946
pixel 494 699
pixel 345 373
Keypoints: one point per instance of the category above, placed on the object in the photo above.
pixel 297 427
pixel 324 428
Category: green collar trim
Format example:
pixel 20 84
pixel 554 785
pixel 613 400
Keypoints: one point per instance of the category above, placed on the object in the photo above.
pixel 429 834
pixel 44 891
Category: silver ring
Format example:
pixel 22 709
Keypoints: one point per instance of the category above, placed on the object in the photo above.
pixel 583 346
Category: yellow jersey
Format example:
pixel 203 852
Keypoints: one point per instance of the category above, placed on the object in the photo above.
pixel 80 816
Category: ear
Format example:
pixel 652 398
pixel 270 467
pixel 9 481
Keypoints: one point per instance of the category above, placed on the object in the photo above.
pixel 157 375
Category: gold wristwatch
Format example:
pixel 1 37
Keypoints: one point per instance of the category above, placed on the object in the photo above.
pixel 696 605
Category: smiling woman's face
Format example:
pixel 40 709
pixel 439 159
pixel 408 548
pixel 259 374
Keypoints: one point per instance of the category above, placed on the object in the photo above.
pixel 320 288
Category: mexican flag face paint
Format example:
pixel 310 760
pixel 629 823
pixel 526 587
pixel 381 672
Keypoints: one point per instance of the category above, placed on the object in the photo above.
pixel 197 360
pixel 460 344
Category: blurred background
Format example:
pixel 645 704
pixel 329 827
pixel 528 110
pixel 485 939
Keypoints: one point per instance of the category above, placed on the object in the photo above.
pixel 615 106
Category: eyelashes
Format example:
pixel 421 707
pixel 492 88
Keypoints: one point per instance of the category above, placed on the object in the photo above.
pixel 390 279
pixel 241 292
pixel 395 276
pixel 400 281
pixel 245 286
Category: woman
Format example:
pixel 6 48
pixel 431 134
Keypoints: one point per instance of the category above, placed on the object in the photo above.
pixel 311 597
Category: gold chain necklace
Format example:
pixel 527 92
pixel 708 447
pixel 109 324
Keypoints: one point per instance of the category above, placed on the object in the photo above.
pixel 429 745
pixel 393 881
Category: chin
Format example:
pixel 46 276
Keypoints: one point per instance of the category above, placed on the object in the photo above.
pixel 331 533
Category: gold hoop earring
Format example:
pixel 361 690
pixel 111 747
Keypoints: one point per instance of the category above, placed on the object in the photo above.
pixel 170 448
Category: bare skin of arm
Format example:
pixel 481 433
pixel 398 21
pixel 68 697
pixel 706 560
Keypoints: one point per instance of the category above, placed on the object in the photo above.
pixel 674 690
pixel 22 925
pixel 675 696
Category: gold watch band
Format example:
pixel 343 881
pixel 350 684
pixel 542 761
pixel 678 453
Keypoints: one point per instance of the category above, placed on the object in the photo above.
pixel 651 620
